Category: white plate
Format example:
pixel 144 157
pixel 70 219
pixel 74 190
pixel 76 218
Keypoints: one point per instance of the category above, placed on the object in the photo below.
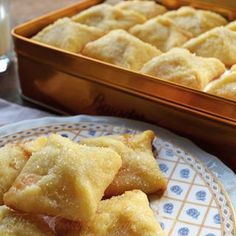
pixel 195 202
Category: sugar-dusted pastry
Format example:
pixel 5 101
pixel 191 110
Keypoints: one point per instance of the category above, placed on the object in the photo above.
pixel 182 67
pixel 122 49
pixel 12 159
pixel 195 21
pixel 233 68
pixel 161 32
pixel 149 9
pixel 107 17
pixel 223 87
pixel 126 215
pixel 64 179
pixel 68 35
pixel 139 168
pixel 219 43
pixel 231 25
pixel 18 224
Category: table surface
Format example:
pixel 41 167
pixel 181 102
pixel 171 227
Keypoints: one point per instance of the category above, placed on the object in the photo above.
pixel 22 11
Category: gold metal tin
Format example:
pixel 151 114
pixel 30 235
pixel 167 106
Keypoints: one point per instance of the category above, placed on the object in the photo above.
pixel 76 84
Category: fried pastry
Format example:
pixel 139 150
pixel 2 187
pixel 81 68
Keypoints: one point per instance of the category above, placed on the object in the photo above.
pixel 195 21
pixel 219 43
pixel 17 224
pixel 233 68
pixel 223 87
pixel 139 168
pixel 121 48
pixel 181 67
pixel 68 35
pixel 64 179
pixel 12 159
pixel 149 9
pixel 231 25
pixel 107 17
pixel 127 215
pixel 161 32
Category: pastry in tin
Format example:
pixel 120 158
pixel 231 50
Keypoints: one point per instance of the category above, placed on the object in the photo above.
pixel 161 32
pixel 149 9
pixel 64 179
pixel 107 17
pixel 223 87
pixel 68 35
pixel 182 67
pixel 19 224
pixel 139 168
pixel 122 49
pixel 12 159
pixel 231 25
pixel 127 214
pixel 195 21
pixel 219 43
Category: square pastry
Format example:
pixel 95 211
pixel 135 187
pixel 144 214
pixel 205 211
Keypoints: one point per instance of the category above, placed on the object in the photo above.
pixel 12 160
pixel 182 67
pixel 196 21
pixel 107 17
pixel 223 87
pixel 149 9
pixel 128 214
pixel 219 43
pixel 18 224
pixel 68 35
pixel 139 168
pixel 64 179
pixel 122 49
pixel 161 32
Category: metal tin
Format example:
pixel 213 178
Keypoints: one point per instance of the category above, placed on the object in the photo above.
pixel 76 84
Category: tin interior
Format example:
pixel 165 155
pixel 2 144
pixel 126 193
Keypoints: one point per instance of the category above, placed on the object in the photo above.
pixel 76 84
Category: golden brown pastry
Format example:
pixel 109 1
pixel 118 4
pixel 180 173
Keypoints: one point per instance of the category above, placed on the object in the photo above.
pixel 223 87
pixel 231 25
pixel 149 9
pixel 181 67
pixel 107 17
pixel 126 215
pixel 219 43
pixel 139 168
pixel 68 35
pixel 161 32
pixel 122 49
pixel 233 68
pixel 64 179
pixel 195 21
pixel 18 224
pixel 12 159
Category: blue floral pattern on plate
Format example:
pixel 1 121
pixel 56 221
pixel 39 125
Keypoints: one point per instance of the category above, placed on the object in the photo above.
pixel 176 189
pixel 184 231
pixel 168 208
pixel 184 173
pixel 194 213
pixel 201 195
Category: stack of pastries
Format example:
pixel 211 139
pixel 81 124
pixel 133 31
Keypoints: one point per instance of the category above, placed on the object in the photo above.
pixel 187 46
pixel 54 186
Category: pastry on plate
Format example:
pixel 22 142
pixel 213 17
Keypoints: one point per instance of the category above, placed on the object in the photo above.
pixel 196 21
pixel 223 87
pixel 122 49
pixel 139 167
pixel 64 179
pixel 68 35
pixel 127 215
pixel 107 17
pixel 149 9
pixel 12 159
pixel 182 67
pixel 233 68
pixel 18 224
pixel 219 43
pixel 161 32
